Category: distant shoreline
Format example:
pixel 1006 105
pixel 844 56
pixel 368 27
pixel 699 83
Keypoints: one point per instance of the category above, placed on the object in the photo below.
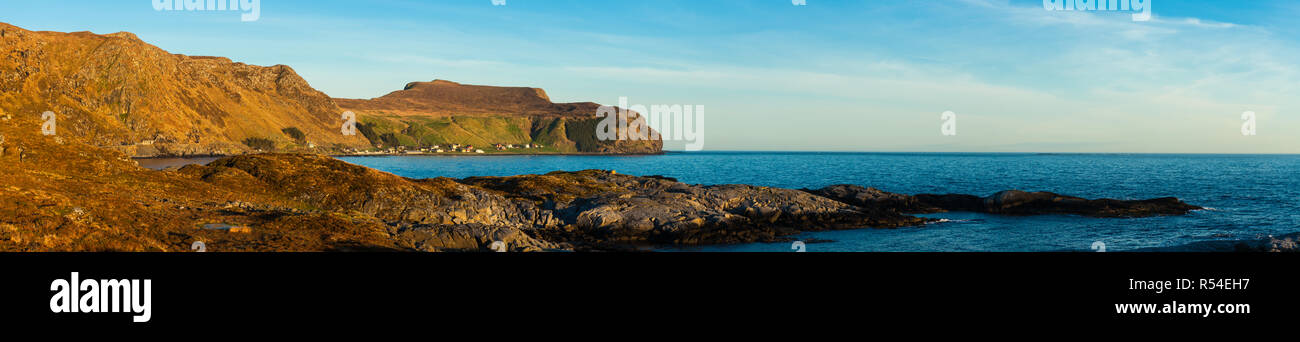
pixel 162 162
pixel 458 154
pixel 218 156
pixel 494 154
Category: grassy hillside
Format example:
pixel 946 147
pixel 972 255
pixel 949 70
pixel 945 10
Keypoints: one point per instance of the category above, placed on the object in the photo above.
pixel 482 132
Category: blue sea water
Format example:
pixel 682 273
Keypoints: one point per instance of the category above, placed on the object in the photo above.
pixel 1250 195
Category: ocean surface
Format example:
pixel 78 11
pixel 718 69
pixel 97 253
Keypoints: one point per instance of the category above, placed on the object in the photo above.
pixel 1250 195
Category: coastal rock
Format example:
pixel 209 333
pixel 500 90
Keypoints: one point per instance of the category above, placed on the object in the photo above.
pixel 594 208
pixel 874 198
pixel 469 238
pixel 604 207
pixel 328 183
pixel 1289 243
pixel 1011 202
pixel 1015 202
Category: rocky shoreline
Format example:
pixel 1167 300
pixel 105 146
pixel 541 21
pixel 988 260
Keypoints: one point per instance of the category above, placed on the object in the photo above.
pixel 497 154
pixel 63 196
pixel 589 210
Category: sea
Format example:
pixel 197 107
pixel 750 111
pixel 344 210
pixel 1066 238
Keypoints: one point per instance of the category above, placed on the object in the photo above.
pixel 1246 196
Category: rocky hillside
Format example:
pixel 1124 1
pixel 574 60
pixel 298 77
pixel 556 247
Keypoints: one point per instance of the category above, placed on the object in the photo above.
pixel 441 113
pixel 119 92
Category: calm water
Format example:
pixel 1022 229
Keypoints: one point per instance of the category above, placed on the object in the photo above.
pixel 1250 194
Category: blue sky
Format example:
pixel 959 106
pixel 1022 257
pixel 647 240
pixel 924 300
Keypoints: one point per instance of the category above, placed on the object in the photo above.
pixel 831 75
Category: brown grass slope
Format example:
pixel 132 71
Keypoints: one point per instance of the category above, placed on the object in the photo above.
pixel 117 91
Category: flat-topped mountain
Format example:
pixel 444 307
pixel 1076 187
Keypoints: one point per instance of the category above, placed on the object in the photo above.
pixel 116 91
pixel 446 98
pixel 444 113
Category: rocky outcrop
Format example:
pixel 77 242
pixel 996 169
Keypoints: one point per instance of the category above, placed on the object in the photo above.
pixel 589 209
pixel 470 238
pixel 875 198
pixel 1289 243
pixel 601 207
pixel 1015 202
pixel 1012 202
pixel 324 182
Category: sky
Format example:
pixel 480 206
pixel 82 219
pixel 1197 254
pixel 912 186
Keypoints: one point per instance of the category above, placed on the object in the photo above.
pixel 866 75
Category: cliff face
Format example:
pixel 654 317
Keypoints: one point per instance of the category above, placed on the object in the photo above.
pixel 443 112
pixel 119 92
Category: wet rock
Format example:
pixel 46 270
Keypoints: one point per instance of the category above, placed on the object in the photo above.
pixel 876 198
pixel 1015 202
pixel 1289 243
pixel 1012 202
